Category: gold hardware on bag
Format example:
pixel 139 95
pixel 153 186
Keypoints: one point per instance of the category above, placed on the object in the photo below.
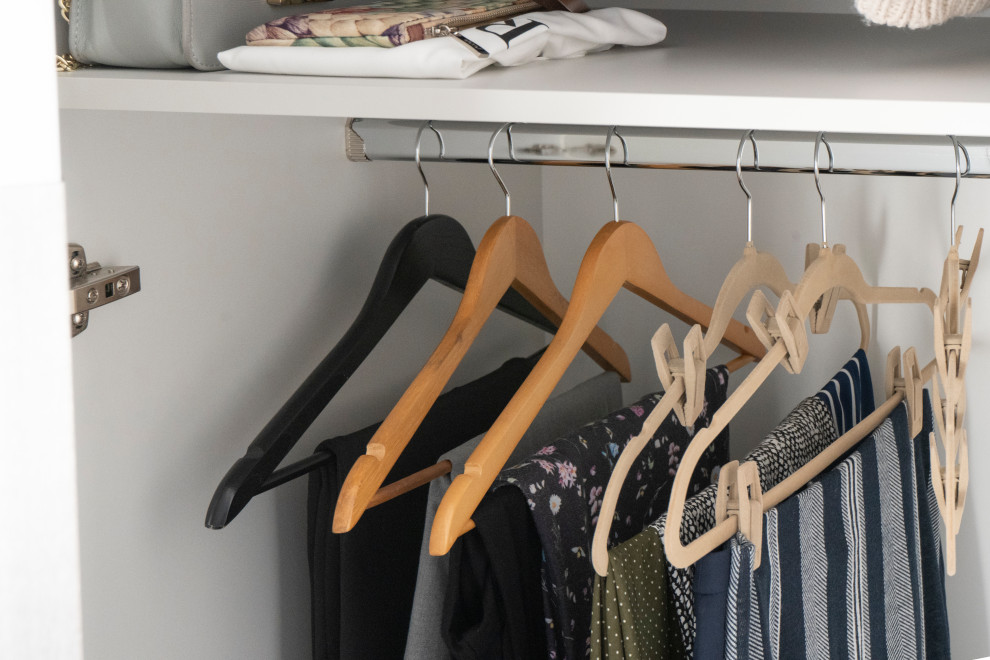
pixel 454 25
pixel 66 63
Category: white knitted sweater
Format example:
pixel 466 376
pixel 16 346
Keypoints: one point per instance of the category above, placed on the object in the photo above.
pixel 917 13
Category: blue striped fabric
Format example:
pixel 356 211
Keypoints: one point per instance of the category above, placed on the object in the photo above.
pixel 862 576
pixel 849 395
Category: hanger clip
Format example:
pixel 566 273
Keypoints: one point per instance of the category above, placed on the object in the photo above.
pixel 820 317
pixel 950 484
pixel 740 494
pixel 783 325
pixel 726 498
pixel 760 315
pixel 671 367
pixel 907 377
pixel 695 363
pixel 967 267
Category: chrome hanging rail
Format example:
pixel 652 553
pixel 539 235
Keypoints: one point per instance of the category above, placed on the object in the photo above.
pixel 668 149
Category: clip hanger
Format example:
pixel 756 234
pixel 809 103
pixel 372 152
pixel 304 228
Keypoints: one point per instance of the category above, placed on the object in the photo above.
pixel 740 494
pixel 672 367
pixel 904 375
pixel 953 336
pixel 783 331
pixel 780 325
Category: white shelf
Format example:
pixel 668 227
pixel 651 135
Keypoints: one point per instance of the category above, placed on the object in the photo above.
pixel 795 72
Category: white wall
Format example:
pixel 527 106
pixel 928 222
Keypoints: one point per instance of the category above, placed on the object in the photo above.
pixel 896 229
pixel 257 243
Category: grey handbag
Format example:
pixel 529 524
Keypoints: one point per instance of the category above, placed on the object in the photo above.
pixel 165 34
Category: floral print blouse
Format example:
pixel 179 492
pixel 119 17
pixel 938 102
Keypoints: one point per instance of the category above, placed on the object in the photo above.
pixel 564 484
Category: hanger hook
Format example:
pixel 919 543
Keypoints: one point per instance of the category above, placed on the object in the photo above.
pixel 491 163
pixel 756 166
pixel 956 147
pixel 612 130
pixel 419 164
pixel 819 140
pixel 512 145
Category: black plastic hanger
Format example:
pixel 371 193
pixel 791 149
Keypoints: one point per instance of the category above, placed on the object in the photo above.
pixel 432 247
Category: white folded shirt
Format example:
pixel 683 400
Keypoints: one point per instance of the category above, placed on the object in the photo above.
pixel 523 39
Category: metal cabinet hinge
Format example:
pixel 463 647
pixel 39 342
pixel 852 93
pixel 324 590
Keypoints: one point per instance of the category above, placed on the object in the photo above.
pixel 91 286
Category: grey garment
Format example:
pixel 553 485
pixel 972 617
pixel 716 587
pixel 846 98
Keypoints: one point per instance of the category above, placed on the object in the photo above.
pixel 585 403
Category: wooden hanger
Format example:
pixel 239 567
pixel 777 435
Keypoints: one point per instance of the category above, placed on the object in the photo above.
pixel 621 255
pixel 673 378
pixel 683 379
pixel 431 247
pixel 905 379
pixel 746 515
pixel 953 341
pixel 783 333
pixel 681 555
pixel 953 334
pixel 509 255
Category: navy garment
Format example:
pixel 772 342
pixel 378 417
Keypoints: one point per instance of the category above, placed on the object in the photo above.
pixel 711 579
pixel 849 395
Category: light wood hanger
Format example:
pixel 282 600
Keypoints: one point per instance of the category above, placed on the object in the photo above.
pixel 953 341
pixel 509 255
pixel 906 379
pixel 953 333
pixel 784 334
pixel 683 379
pixel 621 255
pixel 665 353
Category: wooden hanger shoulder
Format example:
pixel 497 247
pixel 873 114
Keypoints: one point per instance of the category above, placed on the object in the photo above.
pixel 509 255
pixel 621 255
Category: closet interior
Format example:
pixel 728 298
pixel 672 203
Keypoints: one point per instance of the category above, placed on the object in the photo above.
pixel 290 295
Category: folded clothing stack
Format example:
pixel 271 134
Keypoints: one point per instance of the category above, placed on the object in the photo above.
pixel 520 40
pixel 389 23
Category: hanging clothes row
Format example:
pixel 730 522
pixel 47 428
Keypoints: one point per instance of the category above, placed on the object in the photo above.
pixel 575 526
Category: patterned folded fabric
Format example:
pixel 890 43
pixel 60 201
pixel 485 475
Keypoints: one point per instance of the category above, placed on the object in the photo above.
pixel 382 24
pixel 545 35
